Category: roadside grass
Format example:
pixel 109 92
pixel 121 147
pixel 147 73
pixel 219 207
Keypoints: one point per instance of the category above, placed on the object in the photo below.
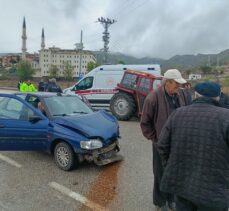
pixel 13 83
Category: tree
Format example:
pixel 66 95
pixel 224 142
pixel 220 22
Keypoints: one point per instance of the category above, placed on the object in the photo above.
pixel 188 72
pixel 25 70
pixel 206 69
pixel 121 62
pixel 91 66
pixel 53 71
pixel 68 71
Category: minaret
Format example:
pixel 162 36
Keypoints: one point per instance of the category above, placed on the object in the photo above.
pixel 42 39
pixel 24 37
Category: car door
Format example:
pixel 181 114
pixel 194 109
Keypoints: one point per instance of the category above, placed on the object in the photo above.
pixel 17 130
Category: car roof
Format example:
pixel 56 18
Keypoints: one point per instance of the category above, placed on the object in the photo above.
pixel 41 94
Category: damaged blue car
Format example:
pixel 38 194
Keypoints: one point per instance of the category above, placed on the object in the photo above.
pixel 65 126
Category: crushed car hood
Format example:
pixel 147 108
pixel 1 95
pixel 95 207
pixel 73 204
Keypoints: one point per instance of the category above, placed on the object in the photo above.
pixel 97 124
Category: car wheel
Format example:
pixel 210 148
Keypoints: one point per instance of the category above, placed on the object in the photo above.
pixel 122 106
pixel 64 156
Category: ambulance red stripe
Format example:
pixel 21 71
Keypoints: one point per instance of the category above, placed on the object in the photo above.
pixel 96 91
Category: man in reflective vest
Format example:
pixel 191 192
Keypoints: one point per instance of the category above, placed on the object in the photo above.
pixel 27 87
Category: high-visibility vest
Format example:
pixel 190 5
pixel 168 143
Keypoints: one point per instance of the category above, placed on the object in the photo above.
pixel 32 88
pixel 24 87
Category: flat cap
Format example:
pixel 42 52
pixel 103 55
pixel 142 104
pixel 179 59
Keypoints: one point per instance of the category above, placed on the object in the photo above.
pixel 208 89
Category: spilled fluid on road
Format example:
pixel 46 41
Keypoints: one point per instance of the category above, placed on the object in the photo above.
pixel 104 188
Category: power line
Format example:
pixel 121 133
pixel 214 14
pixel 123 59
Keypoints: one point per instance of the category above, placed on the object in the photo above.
pixel 123 6
pixel 117 45
pixel 130 9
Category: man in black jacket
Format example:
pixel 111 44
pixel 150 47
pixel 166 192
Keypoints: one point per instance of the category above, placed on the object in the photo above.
pixel 194 147
pixel 52 86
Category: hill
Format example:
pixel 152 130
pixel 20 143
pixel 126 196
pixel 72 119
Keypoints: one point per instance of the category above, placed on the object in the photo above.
pixel 115 58
pixel 182 62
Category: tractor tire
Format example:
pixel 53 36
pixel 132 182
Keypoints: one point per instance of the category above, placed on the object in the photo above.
pixel 122 106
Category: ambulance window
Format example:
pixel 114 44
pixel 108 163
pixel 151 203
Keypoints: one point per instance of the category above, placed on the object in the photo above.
pixel 86 83
pixel 150 68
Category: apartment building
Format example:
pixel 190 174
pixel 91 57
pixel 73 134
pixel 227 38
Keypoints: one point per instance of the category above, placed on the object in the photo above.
pixel 61 57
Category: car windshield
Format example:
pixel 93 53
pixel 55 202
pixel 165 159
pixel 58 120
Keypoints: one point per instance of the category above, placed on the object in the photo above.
pixel 66 105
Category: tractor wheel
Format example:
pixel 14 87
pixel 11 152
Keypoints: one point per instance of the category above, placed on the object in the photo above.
pixel 122 106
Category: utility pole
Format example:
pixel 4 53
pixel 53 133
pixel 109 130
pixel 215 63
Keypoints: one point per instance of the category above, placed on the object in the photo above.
pixel 79 46
pixel 106 22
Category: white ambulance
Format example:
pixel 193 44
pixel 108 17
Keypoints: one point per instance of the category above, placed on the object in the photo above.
pixel 98 86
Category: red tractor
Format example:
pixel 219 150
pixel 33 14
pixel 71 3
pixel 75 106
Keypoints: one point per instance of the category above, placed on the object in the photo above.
pixel 131 92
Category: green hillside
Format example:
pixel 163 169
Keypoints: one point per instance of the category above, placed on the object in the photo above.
pixel 182 62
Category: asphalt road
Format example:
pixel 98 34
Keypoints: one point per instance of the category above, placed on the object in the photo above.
pixel 32 181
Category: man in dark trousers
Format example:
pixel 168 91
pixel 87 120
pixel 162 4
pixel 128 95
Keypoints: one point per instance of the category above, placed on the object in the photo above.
pixel 194 147
pixel 159 104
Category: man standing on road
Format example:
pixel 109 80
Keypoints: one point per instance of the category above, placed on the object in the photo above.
pixel 27 87
pixel 52 86
pixel 159 104
pixel 194 146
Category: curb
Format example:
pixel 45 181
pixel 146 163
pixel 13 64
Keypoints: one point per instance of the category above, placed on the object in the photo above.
pixel 9 88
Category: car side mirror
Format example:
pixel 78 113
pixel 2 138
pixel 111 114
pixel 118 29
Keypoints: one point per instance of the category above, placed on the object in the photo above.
pixel 34 119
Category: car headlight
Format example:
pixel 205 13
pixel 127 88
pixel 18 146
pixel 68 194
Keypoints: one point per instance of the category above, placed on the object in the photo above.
pixel 91 144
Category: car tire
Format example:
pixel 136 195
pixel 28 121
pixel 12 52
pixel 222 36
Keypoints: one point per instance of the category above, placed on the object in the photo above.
pixel 65 157
pixel 122 106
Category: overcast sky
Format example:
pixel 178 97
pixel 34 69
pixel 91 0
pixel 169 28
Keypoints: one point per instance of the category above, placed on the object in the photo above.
pixel 153 28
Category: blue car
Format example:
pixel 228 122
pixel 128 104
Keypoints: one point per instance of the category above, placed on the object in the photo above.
pixel 66 127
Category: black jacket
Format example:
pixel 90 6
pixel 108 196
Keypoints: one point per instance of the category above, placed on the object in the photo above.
pixel 194 145
pixel 224 100
pixel 53 87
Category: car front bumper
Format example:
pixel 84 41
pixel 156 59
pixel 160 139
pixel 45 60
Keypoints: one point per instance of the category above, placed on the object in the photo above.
pixel 107 155
pixel 104 155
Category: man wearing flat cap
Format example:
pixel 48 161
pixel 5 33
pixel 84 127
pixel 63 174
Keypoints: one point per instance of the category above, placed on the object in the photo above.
pixel 158 105
pixel 194 147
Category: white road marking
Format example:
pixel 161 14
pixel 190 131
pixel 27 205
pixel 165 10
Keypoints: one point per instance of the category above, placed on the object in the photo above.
pixel 10 161
pixel 77 197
